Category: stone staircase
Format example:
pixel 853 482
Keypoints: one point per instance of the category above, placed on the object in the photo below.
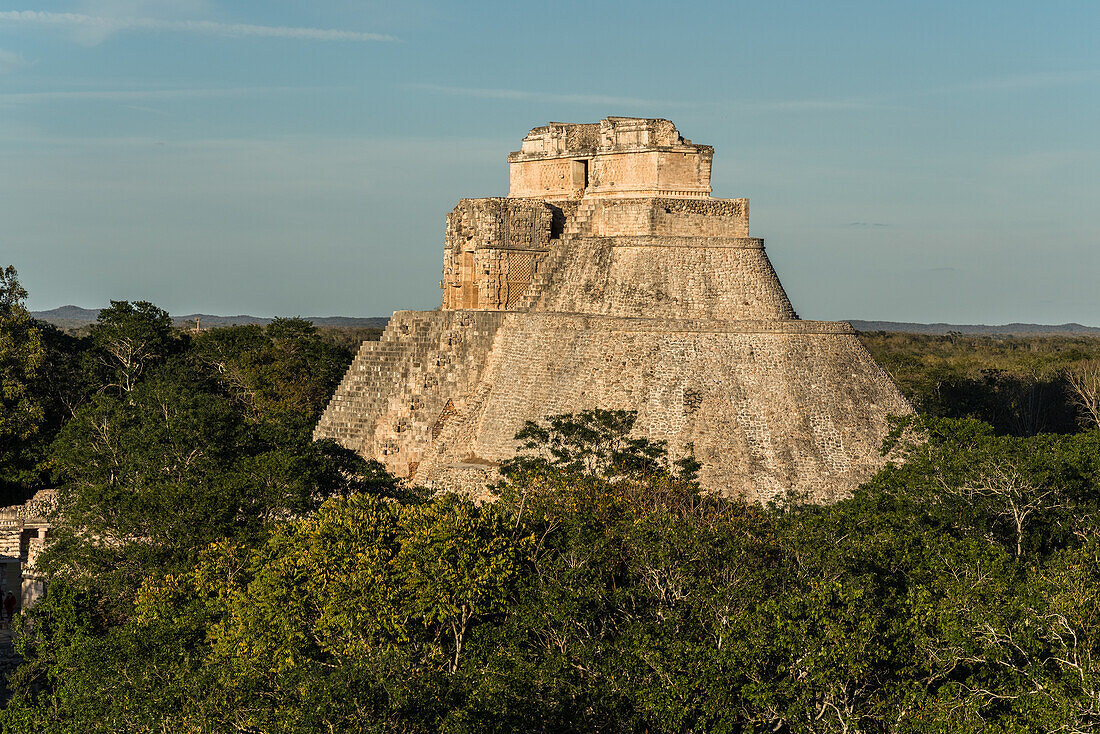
pixel 547 268
pixel 397 388
pixel 580 223
pixel 369 380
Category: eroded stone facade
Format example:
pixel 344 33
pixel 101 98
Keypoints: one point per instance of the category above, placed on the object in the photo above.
pixel 23 530
pixel 609 278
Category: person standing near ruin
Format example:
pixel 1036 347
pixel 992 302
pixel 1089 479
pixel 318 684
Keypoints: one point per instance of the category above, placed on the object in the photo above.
pixel 9 605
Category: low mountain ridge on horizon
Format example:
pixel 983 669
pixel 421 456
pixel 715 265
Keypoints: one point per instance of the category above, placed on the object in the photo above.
pixel 74 317
pixel 1013 329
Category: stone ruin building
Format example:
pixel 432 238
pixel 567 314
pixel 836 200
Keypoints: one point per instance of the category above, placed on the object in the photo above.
pixel 23 530
pixel 610 278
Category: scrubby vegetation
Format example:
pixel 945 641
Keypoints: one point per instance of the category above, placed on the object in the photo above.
pixel 213 570
pixel 1021 386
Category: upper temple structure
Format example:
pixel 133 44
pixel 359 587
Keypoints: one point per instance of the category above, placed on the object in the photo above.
pixel 610 278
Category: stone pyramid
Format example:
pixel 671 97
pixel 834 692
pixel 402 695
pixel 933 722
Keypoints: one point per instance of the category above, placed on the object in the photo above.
pixel 609 278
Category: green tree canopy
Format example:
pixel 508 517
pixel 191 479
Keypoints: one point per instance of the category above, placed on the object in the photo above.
pixel 284 371
pixel 215 570
pixel 129 339
pixel 22 358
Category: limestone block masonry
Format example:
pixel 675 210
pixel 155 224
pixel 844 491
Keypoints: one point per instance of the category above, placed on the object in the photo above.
pixel 609 278
pixel 23 531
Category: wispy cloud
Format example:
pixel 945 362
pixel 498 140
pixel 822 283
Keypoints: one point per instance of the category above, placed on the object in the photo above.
pixel 149 110
pixel 1037 80
pixel 9 61
pixel 520 95
pixel 144 95
pixel 527 96
pixel 807 105
pixel 106 25
pixel 1034 80
pixel 1012 83
pixel 866 225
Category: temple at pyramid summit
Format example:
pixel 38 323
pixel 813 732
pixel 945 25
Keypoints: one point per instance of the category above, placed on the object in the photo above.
pixel 609 277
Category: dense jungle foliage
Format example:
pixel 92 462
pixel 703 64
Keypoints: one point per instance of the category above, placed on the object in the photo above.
pixel 1021 386
pixel 214 570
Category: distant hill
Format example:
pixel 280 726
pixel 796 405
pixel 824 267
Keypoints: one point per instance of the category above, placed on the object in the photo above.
pixel 348 321
pixel 68 317
pixel 74 317
pixel 978 329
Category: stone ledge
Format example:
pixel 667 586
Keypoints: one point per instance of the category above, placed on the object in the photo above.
pixel 518 156
pixel 667 241
pixel 576 321
pixel 629 323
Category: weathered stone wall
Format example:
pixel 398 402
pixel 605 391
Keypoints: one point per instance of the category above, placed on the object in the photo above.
pixel 489 279
pixel 396 392
pixel 608 135
pixel 609 175
pixel 496 247
pixel 512 224
pixel 11 527
pixel 620 156
pixel 672 173
pixel 667 216
pixel 550 179
pixel 23 530
pixel 559 138
pixel 686 172
pixel 769 406
pixel 665 277
pixel 701 217
pixel 493 247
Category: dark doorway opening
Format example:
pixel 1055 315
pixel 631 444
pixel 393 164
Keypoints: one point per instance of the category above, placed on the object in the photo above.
pixel 580 174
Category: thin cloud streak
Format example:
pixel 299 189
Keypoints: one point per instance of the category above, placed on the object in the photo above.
pixel 518 95
pixel 32 141
pixel 1036 80
pixel 149 110
pixel 525 96
pixel 132 95
pixel 807 105
pixel 110 25
pixel 9 61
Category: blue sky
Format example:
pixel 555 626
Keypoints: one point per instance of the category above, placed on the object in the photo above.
pixel 932 161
